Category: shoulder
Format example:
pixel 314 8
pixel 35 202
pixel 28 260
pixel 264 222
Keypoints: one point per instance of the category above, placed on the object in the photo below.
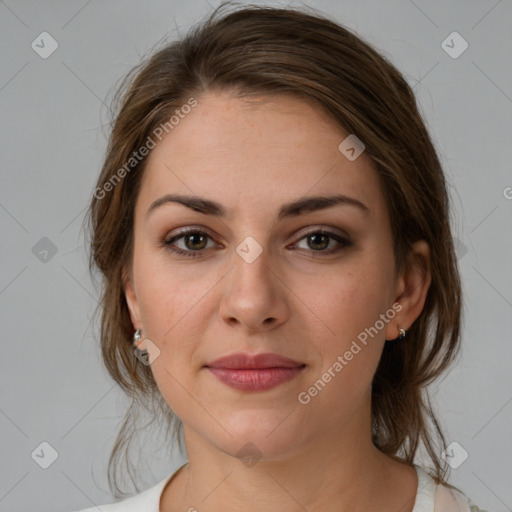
pixel 451 500
pixel 147 500
pixel 131 504
pixel 432 497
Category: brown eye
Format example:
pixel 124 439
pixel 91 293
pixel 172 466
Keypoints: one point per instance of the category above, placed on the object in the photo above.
pixel 195 241
pixel 320 240
pixel 192 241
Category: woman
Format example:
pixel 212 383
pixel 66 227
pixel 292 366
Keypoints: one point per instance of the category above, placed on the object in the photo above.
pixel 272 228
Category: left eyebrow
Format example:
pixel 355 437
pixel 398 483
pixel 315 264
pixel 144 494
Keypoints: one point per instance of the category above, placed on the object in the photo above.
pixel 292 209
pixel 315 203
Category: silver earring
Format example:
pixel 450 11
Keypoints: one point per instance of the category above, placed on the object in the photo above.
pixel 402 333
pixel 136 336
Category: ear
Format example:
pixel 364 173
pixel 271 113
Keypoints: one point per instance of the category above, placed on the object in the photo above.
pixel 131 298
pixel 411 289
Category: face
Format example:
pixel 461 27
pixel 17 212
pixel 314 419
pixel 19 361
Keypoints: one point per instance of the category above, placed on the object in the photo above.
pixel 258 274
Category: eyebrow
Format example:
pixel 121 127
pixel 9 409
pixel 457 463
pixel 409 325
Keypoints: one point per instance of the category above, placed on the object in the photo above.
pixel 292 209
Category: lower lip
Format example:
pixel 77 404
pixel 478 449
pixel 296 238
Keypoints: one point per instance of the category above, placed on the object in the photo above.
pixel 255 380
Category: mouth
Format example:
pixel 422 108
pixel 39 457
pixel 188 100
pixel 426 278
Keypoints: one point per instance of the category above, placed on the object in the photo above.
pixel 260 372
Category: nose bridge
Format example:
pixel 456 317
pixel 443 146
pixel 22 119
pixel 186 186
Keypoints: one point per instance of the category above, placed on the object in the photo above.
pixel 252 295
pixel 252 266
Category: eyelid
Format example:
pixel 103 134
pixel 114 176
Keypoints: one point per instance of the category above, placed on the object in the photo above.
pixel 331 230
pixel 189 229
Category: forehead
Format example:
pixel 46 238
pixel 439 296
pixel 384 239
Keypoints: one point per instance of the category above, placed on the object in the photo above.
pixel 257 151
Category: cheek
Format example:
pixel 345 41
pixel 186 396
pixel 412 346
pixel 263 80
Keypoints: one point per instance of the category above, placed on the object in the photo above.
pixel 355 299
pixel 162 290
pixel 350 353
pixel 173 310
pixel 175 305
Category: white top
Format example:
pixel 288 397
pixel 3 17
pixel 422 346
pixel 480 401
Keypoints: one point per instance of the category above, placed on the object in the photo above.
pixel 429 498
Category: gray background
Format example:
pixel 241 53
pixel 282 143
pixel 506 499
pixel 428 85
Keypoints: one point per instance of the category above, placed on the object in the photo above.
pixel 53 387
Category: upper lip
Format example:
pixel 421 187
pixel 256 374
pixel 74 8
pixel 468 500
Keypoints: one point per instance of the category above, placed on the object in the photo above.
pixel 241 360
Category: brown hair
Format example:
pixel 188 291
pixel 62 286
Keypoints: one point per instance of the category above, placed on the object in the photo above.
pixel 258 50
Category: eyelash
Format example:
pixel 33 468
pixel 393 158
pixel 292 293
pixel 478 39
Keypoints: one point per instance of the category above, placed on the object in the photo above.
pixel 345 243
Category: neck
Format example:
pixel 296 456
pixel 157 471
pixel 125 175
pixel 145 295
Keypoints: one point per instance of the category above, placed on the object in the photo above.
pixel 341 471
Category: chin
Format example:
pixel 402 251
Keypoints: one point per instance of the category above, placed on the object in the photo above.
pixel 256 435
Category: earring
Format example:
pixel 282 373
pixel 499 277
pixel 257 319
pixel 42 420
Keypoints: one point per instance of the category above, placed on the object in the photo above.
pixel 136 337
pixel 403 333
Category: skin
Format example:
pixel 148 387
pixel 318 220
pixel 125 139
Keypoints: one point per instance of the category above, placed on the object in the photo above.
pixel 293 300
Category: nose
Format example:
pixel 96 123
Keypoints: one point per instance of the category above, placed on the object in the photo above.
pixel 254 296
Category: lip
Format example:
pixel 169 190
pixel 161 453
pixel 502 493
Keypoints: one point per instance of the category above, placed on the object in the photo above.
pixel 243 361
pixel 258 372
